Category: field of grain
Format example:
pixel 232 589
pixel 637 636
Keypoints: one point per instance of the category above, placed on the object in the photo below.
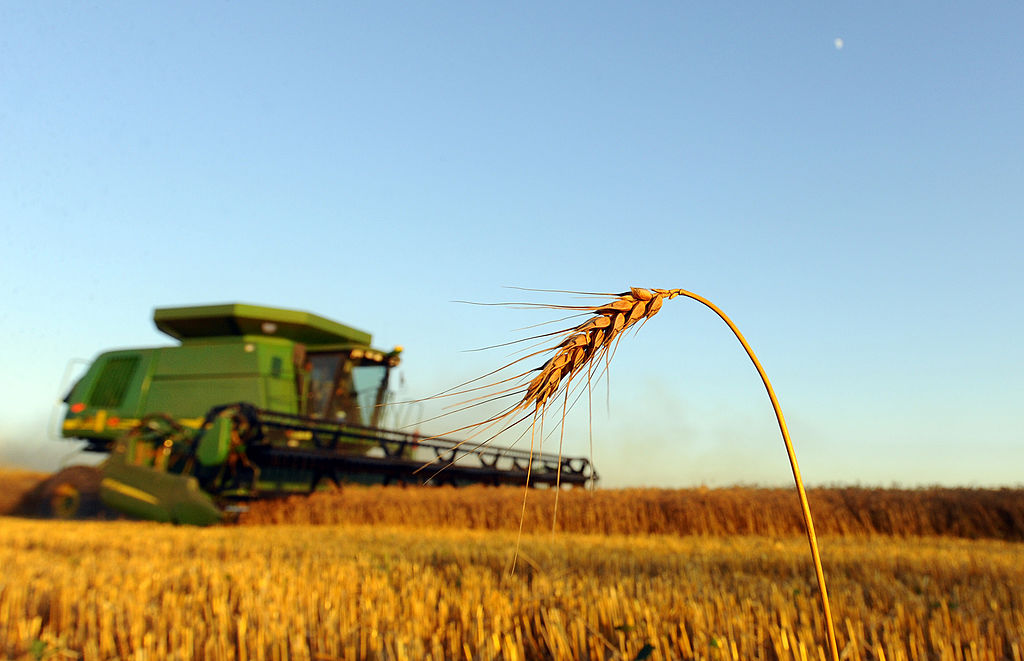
pixel 137 590
pixel 967 513
pixel 934 511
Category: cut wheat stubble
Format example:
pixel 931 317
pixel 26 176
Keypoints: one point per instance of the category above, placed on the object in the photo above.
pixel 592 342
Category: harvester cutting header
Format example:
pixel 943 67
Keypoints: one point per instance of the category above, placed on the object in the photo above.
pixel 256 402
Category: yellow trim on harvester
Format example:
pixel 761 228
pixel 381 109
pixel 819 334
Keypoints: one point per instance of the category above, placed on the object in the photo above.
pixel 131 492
pixel 91 423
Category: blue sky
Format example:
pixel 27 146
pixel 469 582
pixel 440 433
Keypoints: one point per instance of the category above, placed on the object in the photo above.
pixel 855 209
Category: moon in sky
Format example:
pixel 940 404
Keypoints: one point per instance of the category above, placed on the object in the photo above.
pixel 838 43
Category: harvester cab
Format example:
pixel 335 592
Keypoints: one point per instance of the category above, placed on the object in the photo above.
pixel 346 384
pixel 255 402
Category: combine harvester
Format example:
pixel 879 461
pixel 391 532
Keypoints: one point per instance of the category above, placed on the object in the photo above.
pixel 255 402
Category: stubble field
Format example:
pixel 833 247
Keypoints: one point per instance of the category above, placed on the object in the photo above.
pixel 421 590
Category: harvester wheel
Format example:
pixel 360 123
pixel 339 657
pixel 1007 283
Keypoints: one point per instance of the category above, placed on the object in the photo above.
pixel 73 493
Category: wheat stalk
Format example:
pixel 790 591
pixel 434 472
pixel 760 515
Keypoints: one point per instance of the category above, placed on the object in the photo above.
pixel 594 340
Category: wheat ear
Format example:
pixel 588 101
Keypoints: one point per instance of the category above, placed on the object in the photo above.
pixel 596 337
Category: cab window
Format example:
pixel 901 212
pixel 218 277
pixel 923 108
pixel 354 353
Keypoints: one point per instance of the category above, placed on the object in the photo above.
pixel 345 386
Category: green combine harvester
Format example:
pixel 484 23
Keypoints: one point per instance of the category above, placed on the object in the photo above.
pixel 255 402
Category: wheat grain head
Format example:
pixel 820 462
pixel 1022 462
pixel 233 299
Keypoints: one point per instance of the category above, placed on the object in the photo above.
pixel 590 341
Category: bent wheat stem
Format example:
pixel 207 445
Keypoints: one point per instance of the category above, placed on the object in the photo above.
pixel 805 506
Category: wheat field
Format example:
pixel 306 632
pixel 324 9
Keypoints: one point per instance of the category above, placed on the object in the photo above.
pixel 967 513
pixel 137 590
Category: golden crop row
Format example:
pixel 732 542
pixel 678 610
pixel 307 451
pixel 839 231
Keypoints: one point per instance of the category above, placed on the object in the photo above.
pixel 970 513
pixel 136 590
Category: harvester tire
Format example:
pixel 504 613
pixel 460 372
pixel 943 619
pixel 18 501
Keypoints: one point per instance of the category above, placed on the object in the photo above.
pixel 73 493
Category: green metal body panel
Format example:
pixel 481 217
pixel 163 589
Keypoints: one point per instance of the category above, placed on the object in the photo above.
pixel 216 443
pixel 185 382
pixel 188 380
pixel 148 493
